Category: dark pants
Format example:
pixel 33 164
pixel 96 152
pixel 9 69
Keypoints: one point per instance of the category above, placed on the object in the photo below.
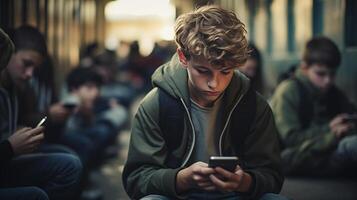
pixel 89 142
pixel 20 193
pixel 82 145
pixel 57 174
pixel 344 159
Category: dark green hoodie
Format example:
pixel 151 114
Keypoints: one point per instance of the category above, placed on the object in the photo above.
pixel 146 171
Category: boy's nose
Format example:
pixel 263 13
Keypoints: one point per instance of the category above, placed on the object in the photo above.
pixel 328 80
pixel 212 83
pixel 29 73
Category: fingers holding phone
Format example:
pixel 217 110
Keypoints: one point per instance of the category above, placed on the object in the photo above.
pixel 227 181
pixel 229 175
pixel 352 118
pixel 342 124
pixel 195 176
pixel 26 140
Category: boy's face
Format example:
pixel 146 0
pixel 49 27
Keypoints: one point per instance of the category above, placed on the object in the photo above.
pixel 321 76
pixel 22 64
pixel 205 82
pixel 87 93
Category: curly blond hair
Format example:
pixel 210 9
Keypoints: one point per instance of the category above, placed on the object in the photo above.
pixel 214 33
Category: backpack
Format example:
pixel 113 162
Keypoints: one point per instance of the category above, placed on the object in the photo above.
pixel 172 113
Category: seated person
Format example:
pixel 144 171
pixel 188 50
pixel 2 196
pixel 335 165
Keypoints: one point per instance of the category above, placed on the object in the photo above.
pixel 202 106
pixel 97 129
pixel 46 100
pixel 252 68
pixel 23 174
pixel 313 115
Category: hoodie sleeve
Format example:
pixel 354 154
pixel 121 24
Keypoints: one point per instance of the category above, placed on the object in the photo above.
pixel 144 172
pixel 6 50
pixel 262 153
pixel 6 152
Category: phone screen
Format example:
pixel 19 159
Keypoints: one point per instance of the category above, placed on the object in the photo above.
pixel 41 122
pixel 351 118
pixel 226 162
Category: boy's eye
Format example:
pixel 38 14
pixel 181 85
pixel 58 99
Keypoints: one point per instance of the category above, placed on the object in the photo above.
pixel 321 74
pixel 226 72
pixel 202 71
pixel 27 63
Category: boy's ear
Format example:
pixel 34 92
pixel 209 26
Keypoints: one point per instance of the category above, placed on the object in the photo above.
pixel 182 57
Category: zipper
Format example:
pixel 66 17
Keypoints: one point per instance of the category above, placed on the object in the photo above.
pixel 226 124
pixel 194 134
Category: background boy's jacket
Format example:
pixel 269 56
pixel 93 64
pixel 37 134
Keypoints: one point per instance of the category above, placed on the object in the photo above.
pixel 146 171
pixel 302 114
pixel 7 112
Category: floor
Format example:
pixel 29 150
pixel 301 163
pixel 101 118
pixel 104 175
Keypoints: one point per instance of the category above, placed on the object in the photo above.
pixel 108 177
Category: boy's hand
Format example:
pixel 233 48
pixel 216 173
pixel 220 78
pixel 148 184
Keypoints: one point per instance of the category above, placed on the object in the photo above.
pixel 58 112
pixel 339 126
pixel 227 181
pixel 26 140
pixel 195 176
pixel 340 130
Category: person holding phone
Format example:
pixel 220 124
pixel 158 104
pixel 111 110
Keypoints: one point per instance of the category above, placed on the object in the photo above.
pixel 200 107
pixel 313 115
pixel 25 174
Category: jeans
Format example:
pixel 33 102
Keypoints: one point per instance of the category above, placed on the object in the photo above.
pixel 82 145
pixel 267 196
pixel 344 158
pixel 57 174
pixel 89 142
pixel 19 193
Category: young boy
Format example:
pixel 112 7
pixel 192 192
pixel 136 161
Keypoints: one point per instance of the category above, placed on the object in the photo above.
pixel 87 130
pixel 170 145
pixel 24 174
pixel 312 115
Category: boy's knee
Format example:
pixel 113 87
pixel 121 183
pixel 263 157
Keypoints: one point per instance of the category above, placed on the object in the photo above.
pixel 71 167
pixel 75 164
pixel 155 197
pixel 35 193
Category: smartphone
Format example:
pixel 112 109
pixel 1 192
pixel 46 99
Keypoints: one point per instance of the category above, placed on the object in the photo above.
pixel 41 122
pixel 70 102
pixel 69 105
pixel 351 118
pixel 226 162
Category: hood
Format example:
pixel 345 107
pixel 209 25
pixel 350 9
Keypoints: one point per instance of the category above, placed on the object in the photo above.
pixel 172 78
pixel 6 49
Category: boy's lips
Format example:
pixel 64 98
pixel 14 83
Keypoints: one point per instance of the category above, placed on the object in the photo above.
pixel 212 93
